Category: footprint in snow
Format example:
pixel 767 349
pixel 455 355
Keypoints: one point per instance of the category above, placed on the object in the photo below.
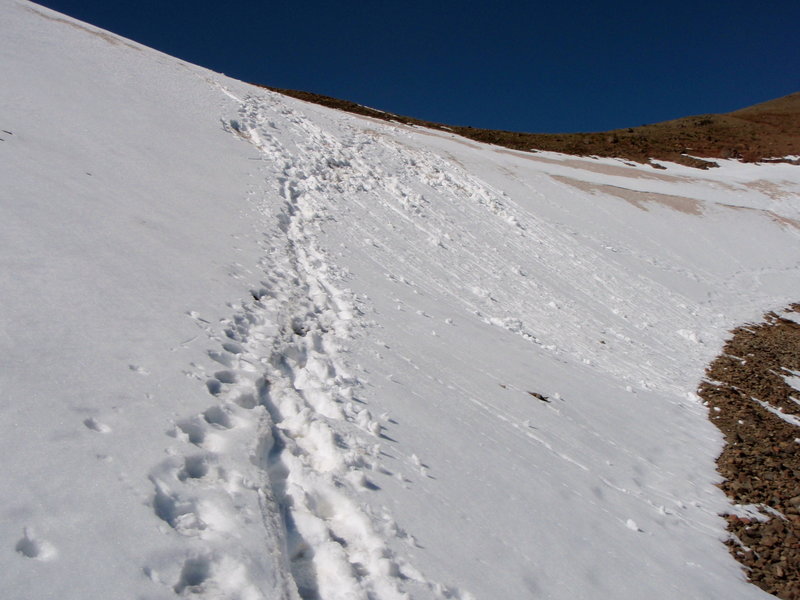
pixel 31 546
pixel 631 524
pixel 95 425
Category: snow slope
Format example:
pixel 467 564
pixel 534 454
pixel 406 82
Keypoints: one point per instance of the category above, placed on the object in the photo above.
pixel 255 348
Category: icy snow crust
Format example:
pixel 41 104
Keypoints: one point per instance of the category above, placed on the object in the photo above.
pixel 254 348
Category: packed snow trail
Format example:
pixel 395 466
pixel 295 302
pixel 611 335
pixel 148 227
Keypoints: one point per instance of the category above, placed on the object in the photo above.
pixel 283 376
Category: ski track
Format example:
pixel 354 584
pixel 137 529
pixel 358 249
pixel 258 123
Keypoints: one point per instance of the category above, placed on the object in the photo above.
pixel 284 397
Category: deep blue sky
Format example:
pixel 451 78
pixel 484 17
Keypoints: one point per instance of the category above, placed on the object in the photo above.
pixel 553 66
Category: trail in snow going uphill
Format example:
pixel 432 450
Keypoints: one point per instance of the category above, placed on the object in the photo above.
pixel 285 396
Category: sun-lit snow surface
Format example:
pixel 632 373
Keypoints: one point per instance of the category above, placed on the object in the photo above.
pixel 254 348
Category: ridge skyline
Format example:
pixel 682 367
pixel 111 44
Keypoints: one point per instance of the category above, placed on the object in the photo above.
pixel 765 131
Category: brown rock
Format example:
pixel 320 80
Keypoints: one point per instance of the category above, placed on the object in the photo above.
pixel 761 461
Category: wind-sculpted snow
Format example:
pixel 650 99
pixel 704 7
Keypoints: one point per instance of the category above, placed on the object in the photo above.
pixel 256 348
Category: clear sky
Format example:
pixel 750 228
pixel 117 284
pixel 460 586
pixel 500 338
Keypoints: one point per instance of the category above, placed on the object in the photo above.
pixel 555 66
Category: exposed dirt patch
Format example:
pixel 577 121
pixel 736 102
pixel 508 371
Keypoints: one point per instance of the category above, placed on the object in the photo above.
pixel 630 171
pixel 751 402
pixel 770 188
pixel 637 198
pixel 762 132
pixel 103 35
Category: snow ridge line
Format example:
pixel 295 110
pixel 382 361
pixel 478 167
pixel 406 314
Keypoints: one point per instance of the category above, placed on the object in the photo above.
pixel 317 443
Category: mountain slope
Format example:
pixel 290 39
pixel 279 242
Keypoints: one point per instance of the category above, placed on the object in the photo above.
pixel 257 348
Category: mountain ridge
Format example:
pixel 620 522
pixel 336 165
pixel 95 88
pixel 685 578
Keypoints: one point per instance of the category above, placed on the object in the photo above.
pixel 768 131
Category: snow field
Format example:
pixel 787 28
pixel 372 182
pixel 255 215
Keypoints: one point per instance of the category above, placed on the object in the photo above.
pixel 635 303
pixel 260 349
